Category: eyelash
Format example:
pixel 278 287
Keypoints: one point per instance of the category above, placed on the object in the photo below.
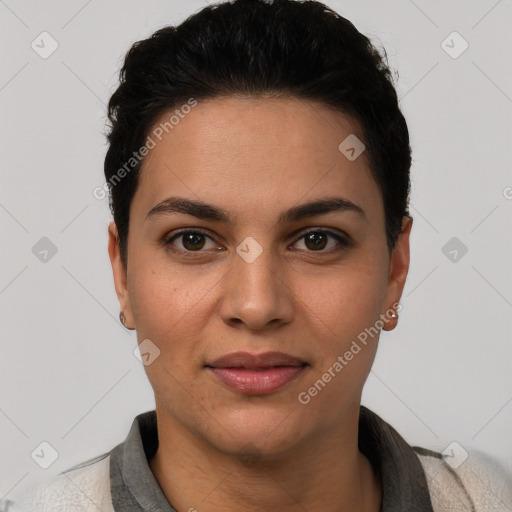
pixel 342 240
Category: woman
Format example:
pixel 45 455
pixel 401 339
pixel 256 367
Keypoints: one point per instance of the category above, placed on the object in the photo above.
pixel 258 167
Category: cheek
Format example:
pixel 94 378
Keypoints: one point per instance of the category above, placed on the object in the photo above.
pixel 170 307
pixel 342 313
pixel 346 302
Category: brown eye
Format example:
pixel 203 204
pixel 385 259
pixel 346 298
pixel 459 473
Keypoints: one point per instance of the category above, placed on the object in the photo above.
pixel 318 240
pixel 315 240
pixel 191 241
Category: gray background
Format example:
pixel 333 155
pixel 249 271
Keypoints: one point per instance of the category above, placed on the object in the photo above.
pixel 68 373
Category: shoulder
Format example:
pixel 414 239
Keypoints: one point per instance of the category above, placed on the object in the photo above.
pixel 82 488
pixel 477 483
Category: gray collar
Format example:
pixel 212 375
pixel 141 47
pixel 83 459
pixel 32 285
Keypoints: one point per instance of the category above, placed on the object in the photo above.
pixel 134 488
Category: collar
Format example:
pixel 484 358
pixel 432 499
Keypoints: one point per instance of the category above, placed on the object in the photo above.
pixel 134 488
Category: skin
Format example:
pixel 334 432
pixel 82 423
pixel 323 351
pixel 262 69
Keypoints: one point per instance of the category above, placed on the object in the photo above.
pixel 220 450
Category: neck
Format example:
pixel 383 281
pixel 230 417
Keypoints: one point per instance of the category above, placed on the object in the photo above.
pixel 327 473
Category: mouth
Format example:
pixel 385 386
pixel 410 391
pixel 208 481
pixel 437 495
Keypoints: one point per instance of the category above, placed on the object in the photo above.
pixel 259 374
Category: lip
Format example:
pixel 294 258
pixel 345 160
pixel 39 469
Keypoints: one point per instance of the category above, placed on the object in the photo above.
pixel 256 374
pixel 252 361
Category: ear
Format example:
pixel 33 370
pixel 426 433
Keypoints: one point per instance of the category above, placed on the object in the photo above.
pixel 120 274
pixel 398 269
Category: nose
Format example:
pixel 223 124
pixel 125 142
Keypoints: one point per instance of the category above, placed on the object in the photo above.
pixel 255 293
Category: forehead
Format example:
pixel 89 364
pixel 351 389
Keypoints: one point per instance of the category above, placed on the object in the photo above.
pixel 240 123
pixel 278 149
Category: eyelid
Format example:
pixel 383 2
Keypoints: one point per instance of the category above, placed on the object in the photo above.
pixel 176 234
pixel 342 238
pixel 313 229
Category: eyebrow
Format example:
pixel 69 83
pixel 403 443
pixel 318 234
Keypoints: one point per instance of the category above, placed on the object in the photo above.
pixel 207 211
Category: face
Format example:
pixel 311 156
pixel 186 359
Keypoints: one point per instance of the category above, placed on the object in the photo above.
pixel 257 257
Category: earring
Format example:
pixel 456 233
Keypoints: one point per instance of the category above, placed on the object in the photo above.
pixel 394 321
pixel 123 321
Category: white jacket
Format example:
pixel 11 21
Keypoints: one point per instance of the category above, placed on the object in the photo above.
pixel 411 476
pixel 87 489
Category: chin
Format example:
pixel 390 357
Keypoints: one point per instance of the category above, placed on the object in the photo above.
pixel 258 433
